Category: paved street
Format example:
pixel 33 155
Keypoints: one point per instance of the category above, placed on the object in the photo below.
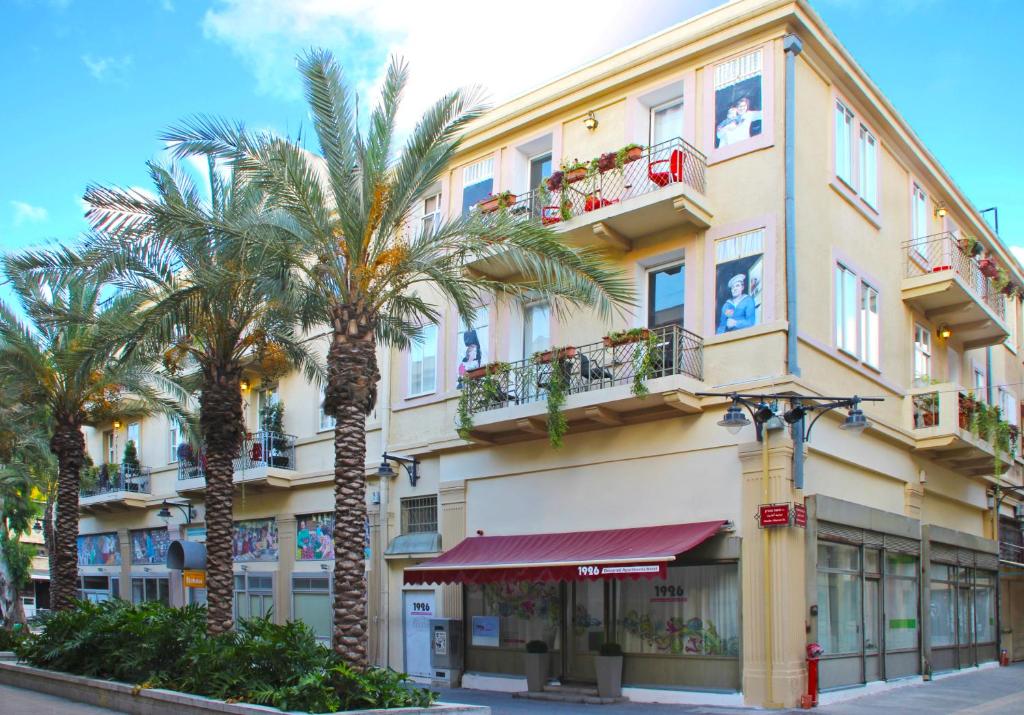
pixel 987 692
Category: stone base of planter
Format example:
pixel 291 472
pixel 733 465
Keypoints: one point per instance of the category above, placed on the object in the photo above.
pixel 129 699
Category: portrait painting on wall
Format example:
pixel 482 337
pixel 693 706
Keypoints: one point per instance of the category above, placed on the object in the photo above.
pixel 739 85
pixel 99 550
pixel 739 281
pixel 314 540
pixel 149 546
pixel 255 540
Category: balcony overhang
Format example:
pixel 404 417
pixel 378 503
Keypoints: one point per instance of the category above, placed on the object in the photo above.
pixel 944 298
pixel 669 396
pixel 120 500
pixel 262 478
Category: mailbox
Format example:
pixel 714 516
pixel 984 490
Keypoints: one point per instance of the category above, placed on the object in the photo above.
pixel 446 641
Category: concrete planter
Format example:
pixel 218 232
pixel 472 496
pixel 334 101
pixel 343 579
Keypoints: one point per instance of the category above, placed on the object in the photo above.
pixel 142 701
pixel 536 671
pixel 609 675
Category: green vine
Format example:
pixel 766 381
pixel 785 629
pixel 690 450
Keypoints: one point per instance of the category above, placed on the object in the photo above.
pixel 988 424
pixel 557 424
pixel 645 362
pixel 464 415
pixel 490 386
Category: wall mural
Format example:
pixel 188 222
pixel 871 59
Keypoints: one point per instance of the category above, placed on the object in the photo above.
pixel 738 89
pixel 314 540
pixel 149 546
pixel 255 540
pixel 739 281
pixel 99 550
pixel 679 637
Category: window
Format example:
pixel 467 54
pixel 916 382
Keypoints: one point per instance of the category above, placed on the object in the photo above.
pixel 666 291
pixel 846 310
pixel 536 328
pixel 739 84
pixel 922 355
pixel 134 436
pixel 326 421
pixel 311 603
pixel 150 589
pixel 666 121
pixel 477 183
pixel 869 325
pixel 173 440
pixel 900 602
pixel 868 167
pixel 980 385
pixel 739 281
pixel 419 515
pixel 431 214
pixel 108 447
pixel 1008 406
pixel 254 596
pixel 844 143
pixel 961 606
pixel 920 220
pixel 423 362
pixel 471 343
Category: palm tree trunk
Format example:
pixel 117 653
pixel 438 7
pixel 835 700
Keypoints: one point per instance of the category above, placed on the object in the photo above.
pixel 349 397
pixel 68 444
pixel 220 419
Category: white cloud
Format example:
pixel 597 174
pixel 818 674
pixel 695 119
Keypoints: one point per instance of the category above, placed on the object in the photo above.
pixel 107 68
pixel 506 49
pixel 1018 253
pixel 27 213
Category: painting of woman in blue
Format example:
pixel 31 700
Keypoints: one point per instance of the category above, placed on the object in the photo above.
pixel 738 311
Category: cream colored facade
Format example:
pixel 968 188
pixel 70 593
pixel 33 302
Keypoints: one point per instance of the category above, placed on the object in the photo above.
pixel 911 489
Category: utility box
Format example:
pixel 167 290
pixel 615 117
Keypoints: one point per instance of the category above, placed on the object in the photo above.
pixel 446 641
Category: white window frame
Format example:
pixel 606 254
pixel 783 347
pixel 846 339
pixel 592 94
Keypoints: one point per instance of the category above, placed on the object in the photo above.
pixel 429 335
pixel 137 428
pixel 110 446
pixel 325 421
pixel 980 384
pixel 868 167
pixel 174 436
pixel 870 332
pixel 1008 406
pixel 433 216
pixel 674 102
pixel 843 158
pixel 919 218
pixel 846 316
pixel 922 353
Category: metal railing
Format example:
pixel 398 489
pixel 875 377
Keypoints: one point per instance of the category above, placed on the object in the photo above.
pixel 1013 553
pixel 670 162
pixel 945 252
pixel 258 449
pixel 124 480
pixel 419 515
pixel 596 366
pixel 926 413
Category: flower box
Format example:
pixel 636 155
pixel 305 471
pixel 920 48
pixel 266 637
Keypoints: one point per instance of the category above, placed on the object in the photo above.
pixel 634 154
pixel 554 182
pixel 490 369
pixel 575 175
pixel 547 356
pixel 629 336
pixel 988 267
pixel 492 204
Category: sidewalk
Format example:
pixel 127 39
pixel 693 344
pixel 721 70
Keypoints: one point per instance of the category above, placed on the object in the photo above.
pixel 990 691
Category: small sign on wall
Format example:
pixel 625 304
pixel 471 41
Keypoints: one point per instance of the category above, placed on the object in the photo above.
pixel 485 631
pixel 773 515
pixel 193 579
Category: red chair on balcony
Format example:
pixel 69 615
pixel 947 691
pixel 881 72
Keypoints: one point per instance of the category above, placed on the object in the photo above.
pixel 669 170
pixel 550 215
pixel 256 453
pixel 596 201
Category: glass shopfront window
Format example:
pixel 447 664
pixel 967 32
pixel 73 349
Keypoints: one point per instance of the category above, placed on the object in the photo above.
pixel 839 598
pixel 901 626
pixel 962 615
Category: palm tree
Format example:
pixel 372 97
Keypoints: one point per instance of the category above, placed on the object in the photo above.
pixel 348 215
pixel 206 276
pixel 64 357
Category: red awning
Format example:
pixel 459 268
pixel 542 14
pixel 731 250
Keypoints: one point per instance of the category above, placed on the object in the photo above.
pixel 575 556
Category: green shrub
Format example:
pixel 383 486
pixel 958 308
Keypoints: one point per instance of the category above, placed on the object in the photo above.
pixel 11 637
pixel 260 662
pixel 610 649
pixel 536 647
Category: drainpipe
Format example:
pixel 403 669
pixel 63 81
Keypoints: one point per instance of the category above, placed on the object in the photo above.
pixel 792 46
pixel 988 375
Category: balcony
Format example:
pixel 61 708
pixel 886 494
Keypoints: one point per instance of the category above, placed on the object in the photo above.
pixel 126 489
pixel 266 459
pixel 511 404
pixel 663 187
pixel 944 283
pixel 942 418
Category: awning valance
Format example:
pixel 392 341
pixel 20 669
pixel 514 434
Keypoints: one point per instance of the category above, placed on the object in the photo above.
pixel 642 552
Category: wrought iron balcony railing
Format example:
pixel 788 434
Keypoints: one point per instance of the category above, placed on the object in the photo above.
pixel 258 449
pixel 123 480
pixel 945 252
pixel 1011 552
pixel 596 366
pixel 670 162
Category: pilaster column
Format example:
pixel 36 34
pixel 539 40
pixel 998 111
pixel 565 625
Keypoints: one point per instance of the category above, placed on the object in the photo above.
pixel 124 545
pixel 774 599
pixel 285 566
pixel 452 525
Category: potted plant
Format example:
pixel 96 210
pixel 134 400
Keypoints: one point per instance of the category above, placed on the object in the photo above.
pixel 566 353
pixel 536 665
pixel 130 466
pixel 971 246
pixel 988 267
pixel 495 202
pixel 622 337
pixel 493 368
pixel 608 665
pixel 605 162
pixel 554 182
pixel 628 153
pixel 575 170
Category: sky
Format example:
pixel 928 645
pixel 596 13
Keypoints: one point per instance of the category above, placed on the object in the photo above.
pixel 89 85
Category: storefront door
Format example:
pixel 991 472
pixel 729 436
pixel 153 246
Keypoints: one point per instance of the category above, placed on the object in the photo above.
pixel 418 609
pixel 872 629
pixel 965 613
pixel 585 628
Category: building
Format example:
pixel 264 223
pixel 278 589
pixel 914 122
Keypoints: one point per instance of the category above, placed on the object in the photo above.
pixel 787 233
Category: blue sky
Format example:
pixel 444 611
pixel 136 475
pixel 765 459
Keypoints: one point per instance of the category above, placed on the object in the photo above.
pixel 89 85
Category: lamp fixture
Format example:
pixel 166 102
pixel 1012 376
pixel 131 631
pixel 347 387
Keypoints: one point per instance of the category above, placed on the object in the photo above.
pixel 945 332
pixel 384 471
pixel 186 509
pixel 117 424
pixel 590 121
pixel 244 384
pixel 941 211
pixel 855 421
pixel 734 419
pixel 38 526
